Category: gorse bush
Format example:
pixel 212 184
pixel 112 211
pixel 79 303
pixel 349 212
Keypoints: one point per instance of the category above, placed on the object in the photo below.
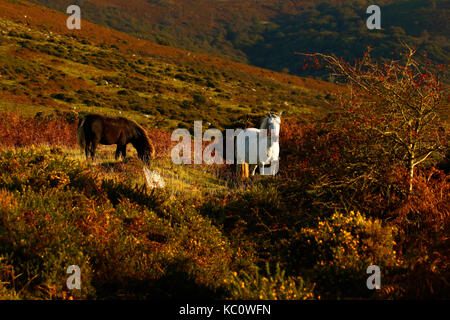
pixel 269 286
pixel 340 248
pixel 348 238
pixel 341 167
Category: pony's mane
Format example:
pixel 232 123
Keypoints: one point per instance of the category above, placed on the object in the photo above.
pixel 137 130
pixel 264 123
pixel 141 135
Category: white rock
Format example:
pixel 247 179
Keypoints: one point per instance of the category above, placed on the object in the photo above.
pixel 154 180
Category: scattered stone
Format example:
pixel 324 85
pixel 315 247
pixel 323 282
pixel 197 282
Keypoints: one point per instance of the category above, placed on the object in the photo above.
pixel 154 180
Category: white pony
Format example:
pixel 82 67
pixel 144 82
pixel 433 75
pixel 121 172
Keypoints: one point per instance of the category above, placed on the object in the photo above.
pixel 262 146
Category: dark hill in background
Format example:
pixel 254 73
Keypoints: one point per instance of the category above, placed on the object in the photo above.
pixel 267 33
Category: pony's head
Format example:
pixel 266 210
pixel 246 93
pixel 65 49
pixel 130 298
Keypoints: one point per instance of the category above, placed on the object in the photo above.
pixel 272 123
pixel 147 151
pixel 143 146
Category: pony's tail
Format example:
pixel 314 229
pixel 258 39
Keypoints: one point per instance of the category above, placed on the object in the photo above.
pixel 81 138
pixel 152 149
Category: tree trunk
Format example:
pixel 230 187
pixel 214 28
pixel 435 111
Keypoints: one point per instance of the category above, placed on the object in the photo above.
pixel 411 172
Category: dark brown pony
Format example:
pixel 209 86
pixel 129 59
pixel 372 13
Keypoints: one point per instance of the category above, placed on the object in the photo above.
pixel 96 129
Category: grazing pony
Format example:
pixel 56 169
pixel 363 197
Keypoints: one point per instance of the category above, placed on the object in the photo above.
pixel 268 135
pixel 96 129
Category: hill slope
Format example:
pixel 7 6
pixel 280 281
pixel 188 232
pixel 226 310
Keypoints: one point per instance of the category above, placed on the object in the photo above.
pixel 267 33
pixel 299 235
pixel 44 65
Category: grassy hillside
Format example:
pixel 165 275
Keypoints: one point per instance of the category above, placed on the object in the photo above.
pixel 268 33
pixel 49 78
pixel 207 235
pixel 97 70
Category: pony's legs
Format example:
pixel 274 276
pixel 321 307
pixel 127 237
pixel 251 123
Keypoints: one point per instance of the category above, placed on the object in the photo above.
pixel 246 172
pixel 124 151
pixel 253 168
pixel 274 166
pixel 121 150
pixel 86 152
pixel 242 170
pixel 118 151
pixel 92 150
pixel 271 170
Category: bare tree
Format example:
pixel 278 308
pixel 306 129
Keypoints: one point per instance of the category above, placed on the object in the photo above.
pixel 396 102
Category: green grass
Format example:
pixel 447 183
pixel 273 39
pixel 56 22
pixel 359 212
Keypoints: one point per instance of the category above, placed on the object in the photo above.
pixel 62 183
pixel 189 181
pixel 27 111
pixel 56 210
pixel 149 82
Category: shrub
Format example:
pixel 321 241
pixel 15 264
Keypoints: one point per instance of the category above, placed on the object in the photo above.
pixel 255 217
pixel 199 99
pixel 268 286
pixel 7 280
pixel 124 92
pixel 18 131
pixel 40 244
pixel 340 249
pixel 424 224
pixel 129 244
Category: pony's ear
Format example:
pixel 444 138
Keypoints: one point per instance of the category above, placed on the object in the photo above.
pixel 279 115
